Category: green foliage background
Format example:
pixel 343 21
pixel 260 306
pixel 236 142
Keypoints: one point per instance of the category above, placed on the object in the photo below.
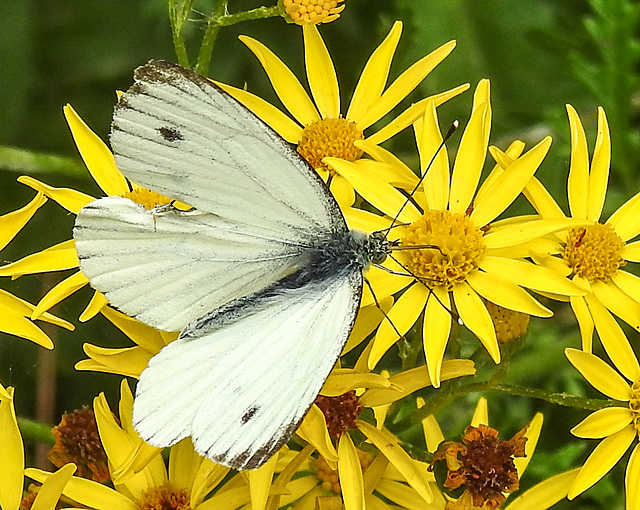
pixel 539 55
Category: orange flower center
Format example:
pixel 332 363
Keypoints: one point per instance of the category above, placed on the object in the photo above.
pixel 164 497
pixel 329 137
pixel 329 478
pixel 594 252
pixel 312 12
pixel 340 412
pixel 457 250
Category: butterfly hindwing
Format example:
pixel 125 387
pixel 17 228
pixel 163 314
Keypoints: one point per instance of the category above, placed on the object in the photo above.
pixel 240 390
pixel 167 269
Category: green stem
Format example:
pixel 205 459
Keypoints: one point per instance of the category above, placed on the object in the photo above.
pixel 178 16
pixel 35 431
pixel 447 394
pixel 221 19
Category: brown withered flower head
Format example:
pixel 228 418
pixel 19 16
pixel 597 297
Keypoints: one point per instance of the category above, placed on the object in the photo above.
pixel 480 469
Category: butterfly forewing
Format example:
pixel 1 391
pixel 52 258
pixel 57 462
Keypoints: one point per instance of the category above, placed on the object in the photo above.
pixel 263 307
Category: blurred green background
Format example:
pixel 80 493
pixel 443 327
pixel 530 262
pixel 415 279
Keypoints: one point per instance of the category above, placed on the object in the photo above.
pixel 539 55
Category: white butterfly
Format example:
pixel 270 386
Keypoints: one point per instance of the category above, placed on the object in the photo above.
pixel 263 278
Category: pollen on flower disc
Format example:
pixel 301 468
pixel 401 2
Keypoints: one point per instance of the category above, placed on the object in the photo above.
pixel 329 137
pixel 457 248
pixel 594 252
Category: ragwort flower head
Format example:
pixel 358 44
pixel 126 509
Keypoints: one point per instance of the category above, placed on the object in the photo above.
pixel 140 477
pixel 317 126
pixel 481 471
pixel 594 255
pixel 312 12
pixel 618 426
pixel 460 257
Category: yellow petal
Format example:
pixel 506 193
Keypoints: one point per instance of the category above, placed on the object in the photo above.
pixel 96 155
pixel 603 423
pixel 374 76
pixel 404 84
pixel 506 294
pixel 599 374
pixel 11 453
pixel 469 161
pixel 350 473
pixel 52 488
pixel 625 220
pixel 88 493
pixel 625 307
pixel 545 494
pixel 529 275
pixel 481 413
pixel 15 323
pixel 408 381
pixel 367 321
pixel 61 291
pixel 342 191
pixel 184 463
pixel 388 446
pixel 400 494
pixel 147 337
pixel 631 252
pixel 260 482
pixel 432 433
pixel 601 460
pixel 97 303
pixel 412 114
pixel 578 182
pixel 614 340
pixel 628 283
pixel 130 361
pixel 541 200
pixel 435 332
pixel 527 231
pixel 342 380
pixel 357 219
pixel 384 284
pixel 285 83
pixel 434 159
pixel 403 315
pixel 532 434
pixel 313 430
pixel 599 176
pixel 56 258
pixel 70 199
pixel 631 480
pixel 585 322
pixel 509 184
pixel 11 223
pixel 476 318
pixel 272 116
pixel 321 74
pixel 377 192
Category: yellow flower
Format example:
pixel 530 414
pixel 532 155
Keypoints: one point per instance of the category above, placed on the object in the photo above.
pixel 347 393
pixel 12 465
pixel 542 496
pixel 313 12
pixel 594 255
pixel 617 426
pixel 141 479
pixel 467 257
pixel 15 313
pixel 319 128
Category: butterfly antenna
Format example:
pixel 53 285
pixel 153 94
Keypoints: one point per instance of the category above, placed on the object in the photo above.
pixel 452 129
pixel 377 303
pixel 453 314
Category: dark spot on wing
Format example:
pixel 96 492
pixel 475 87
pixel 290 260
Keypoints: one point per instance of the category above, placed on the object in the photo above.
pixel 249 414
pixel 170 134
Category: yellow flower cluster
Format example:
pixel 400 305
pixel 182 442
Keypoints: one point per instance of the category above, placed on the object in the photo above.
pixel 461 270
